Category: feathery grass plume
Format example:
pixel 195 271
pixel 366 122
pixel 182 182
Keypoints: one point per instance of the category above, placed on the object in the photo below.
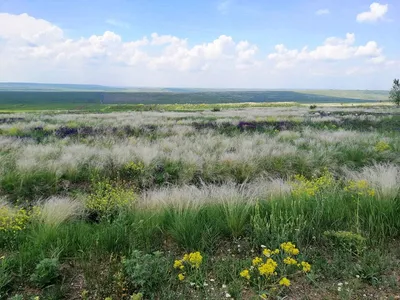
pixel 383 178
pixel 57 210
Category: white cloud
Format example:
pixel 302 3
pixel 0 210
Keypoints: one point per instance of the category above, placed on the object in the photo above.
pixel 118 23
pixel 376 12
pixel 36 50
pixel 24 28
pixel 333 49
pixel 321 12
pixel 223 6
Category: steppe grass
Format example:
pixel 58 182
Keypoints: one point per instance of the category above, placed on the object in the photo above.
pixel 103 213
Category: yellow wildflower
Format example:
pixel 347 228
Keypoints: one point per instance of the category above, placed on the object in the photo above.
pixel 178 264
pixel 284 281
pixel 195 259
pixel 245 274
pixel 289 247
pixel 257 261
pixel 181 276
pixel 306 266
pixel 264 297
pixel 266 252
pixel 186 257
pixel 295 251
pixel 290 261
pixel 276 251
pixel 268 268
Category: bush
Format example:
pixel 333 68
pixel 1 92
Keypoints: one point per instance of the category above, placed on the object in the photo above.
pixel 346 241
pixel 313 106
pixel 108 198
pixel 146 272
pixel 46 272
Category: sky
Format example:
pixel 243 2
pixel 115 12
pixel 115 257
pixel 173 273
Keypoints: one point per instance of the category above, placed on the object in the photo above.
pixel 292 44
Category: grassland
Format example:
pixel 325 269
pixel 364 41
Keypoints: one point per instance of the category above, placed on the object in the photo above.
pixel 29 97
pixel 105 205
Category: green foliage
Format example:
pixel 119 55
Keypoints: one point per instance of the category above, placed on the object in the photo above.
pixel 132 170
pixel 29 185
pixel 17 297
pixel 108 198
pixel 382 146
pixel 345 240
pixel 5 276
pixel 146 273
pixel 303 187
pixel 237 217
pixel 394 94
pixel 47 272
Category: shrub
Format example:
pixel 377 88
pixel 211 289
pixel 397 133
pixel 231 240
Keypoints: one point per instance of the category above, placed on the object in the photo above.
pixel 313 106
pixel 108 198
pixel 301 186
pixel 346 241
pixel 47 271
pixel 13 220
pixel 146 272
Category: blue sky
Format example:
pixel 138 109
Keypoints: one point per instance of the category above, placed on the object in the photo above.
pixel 252 28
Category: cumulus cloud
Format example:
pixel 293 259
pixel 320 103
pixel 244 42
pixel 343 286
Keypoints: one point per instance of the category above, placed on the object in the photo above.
pixel 321 12
pixel 333 49
pixel 376 12
pixel 36 50
pixel 24 28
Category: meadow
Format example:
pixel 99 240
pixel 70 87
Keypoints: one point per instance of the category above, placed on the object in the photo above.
pixel 192 201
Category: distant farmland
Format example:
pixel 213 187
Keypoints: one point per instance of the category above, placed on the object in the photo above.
pixel 41 96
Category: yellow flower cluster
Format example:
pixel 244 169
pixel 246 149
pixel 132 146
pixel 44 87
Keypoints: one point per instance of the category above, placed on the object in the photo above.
pixel 284 281
pixel 13 220
pixel 359 187
pixel 274 267
pixel 193 259
pixel 268 252
pixel 290 261
pixel 382 146
pixel 302 186
pixel 306 266
pixel 108 197
pixel 268 268
pixel 245 274
pixel 257 261
pixel 290 248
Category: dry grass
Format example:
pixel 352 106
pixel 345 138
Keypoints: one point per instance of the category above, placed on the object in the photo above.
pixel 57 210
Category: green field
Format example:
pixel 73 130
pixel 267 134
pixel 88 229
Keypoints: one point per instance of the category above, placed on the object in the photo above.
pixel 95 98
